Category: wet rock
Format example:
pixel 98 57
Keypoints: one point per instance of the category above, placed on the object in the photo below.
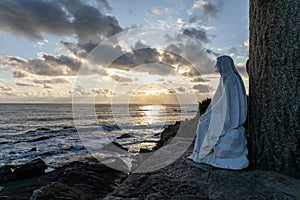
pixel 31 169
pixel 41 138
pixel 5 142
pixel 33 149
pixel 43 129
pixel 125 135
pixel 145 151
pixel 82 181
pixel 167 134
pixel 39 129
pixel 68 127
pixel 118 145
pixel 6 173
pixel 76 180
pixel 111 128
pixel 156 135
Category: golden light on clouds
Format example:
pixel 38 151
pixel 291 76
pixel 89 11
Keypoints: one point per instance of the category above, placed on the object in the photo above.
pixel 246 43
pixel 153 94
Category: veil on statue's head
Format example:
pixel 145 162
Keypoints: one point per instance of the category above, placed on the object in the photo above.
pixel 226 66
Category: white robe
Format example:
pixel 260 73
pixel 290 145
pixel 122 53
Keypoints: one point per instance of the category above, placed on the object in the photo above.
pixel 221 140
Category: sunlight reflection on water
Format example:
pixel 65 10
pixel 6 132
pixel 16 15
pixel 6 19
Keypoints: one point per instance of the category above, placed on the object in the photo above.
pixel 153 114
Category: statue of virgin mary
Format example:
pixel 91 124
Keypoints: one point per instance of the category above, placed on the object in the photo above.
pixel 221 140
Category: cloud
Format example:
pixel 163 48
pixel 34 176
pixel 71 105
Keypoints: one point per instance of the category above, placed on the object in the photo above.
pixel 103 92
pixel 198 56
pixel 181 89
pixel 166 62
pixel 212 52
pixel 32 18
pixel 199 79
pixel 5 88
pixel 44 83
pixel 241 67
pixel 156 69
pixel 47 86
pixel 232 50
pixel 246 43
pixel 22 84
pixel 140 45
pixel 122 79
pixel 80 91
pixel 135 58
pixel 51 81
pixel 171 91
pixel 20 74
pixel 170 58
pixel 209 10
pixel 197 34
pixel 140 54
pixel 76 49
pixel 45 65
pixel 105 3
pixel 201 88
pixel 40 44
pixel 146 55
pixel 175 56
pixel 160 11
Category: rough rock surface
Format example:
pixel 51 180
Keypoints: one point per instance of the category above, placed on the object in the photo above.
pixel 28 170
pixel 185 179
pixel 74 181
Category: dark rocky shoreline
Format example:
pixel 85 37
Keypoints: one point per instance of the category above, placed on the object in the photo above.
pixel 183 179
pixel 77 180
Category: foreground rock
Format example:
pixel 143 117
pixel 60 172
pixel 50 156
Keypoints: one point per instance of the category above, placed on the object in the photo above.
pixel 34 168
pixel 185 179
pixel 177 181
pixel 74 181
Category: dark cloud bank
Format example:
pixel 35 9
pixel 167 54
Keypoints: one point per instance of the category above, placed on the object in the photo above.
pixel 33 18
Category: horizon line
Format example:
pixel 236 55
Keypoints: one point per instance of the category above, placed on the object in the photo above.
pixel 69 103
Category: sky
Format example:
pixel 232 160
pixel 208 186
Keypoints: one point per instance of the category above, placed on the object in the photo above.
pixel 113 51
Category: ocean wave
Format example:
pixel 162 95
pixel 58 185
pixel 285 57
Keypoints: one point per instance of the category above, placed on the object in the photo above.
pixel 110 128
pixel 44 130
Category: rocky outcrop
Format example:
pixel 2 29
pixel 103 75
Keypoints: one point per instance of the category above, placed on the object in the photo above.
pixel 185 179
pixel 82 181
pixel 76 180
pixel 34 168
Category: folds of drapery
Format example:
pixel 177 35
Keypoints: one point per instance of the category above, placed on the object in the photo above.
pixel 225 115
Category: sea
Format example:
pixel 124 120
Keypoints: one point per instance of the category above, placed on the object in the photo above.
pixel 49 131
